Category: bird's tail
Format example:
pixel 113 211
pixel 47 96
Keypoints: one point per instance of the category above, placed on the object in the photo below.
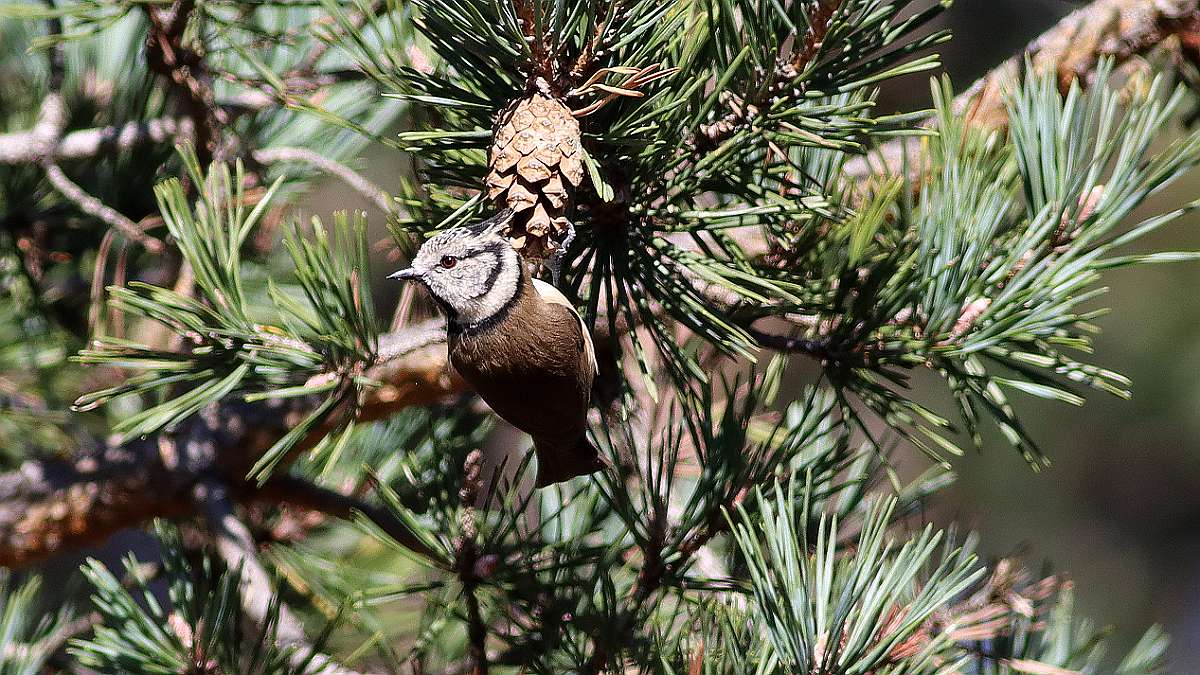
pixel 556 465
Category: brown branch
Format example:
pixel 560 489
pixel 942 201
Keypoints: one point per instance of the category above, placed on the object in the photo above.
pixel 820 18
pixel 1117 29
pixel 417 373
pixel 21 147
pixel 188 73
pixel 50 506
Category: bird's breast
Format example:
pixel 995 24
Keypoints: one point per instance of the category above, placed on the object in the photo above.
pixel 534 339
pixel 530 368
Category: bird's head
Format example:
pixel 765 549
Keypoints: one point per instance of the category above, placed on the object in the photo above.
pixel 471 271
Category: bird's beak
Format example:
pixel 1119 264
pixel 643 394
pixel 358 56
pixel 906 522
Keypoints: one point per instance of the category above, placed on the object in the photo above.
pixel 405 274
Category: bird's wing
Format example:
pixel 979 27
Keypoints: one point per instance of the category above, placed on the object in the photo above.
pixel 553 295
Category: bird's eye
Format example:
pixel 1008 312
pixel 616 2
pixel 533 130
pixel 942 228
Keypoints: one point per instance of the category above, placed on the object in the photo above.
pixel 448 261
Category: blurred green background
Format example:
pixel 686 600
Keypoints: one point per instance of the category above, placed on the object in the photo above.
pixel 1119 512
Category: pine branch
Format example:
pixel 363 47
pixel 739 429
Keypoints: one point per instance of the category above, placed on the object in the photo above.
pixel 860 613
pixel 28 523
pixel 1120 30
pixel 30 147
pixel 820 17
pixel 917 286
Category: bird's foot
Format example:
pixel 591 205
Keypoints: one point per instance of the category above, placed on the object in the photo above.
pixel 556 258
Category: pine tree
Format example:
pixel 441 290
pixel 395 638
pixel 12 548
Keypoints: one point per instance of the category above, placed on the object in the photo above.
pixel 324 494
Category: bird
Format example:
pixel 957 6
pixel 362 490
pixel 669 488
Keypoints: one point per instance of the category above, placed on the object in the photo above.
pixel 516 340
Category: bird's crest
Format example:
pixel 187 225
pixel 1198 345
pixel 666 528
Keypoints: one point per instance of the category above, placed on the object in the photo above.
pixel 493 225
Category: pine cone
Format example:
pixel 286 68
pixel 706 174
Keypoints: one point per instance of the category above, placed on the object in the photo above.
pixel 535 161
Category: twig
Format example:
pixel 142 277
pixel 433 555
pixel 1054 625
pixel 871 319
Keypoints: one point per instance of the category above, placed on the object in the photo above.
pixel 58 67
pixel 52 116
pixel 78 626
pixel 299 492
pixel 468 556
pixel 784 343
pixel 89 204
pixel 235 545
pixel 476 633
pixel 348 175
pixel 20 147
pixel 309 63
pixel 604 11
pixel 541 61
pixel 398 344
pixel 92 142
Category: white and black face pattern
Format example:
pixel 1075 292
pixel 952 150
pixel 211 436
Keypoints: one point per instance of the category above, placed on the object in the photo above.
pixel 472 274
